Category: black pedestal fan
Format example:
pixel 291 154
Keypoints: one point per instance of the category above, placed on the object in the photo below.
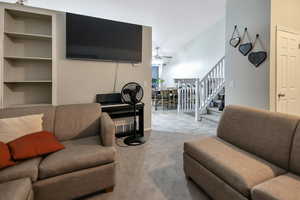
pixel 132 93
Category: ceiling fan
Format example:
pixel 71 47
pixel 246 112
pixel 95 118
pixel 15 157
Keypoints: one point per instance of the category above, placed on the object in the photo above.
pixel 160 57
pixel 21 2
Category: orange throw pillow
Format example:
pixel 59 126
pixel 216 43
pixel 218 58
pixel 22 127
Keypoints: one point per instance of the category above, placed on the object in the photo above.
pixel 34 145
pixel 5 157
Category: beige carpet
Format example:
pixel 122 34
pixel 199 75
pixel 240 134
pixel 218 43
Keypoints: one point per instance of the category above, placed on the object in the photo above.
pixel 153 171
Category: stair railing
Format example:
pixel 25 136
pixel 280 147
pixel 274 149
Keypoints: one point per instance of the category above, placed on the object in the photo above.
pixel 194 95
pixel 186 95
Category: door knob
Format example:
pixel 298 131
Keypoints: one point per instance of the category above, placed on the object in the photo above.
pixel 281 95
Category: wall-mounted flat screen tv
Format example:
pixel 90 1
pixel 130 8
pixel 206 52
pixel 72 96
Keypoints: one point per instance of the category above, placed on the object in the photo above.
pixel 90 38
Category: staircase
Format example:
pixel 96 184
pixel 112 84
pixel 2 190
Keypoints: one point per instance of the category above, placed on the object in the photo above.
pixel 215 108
pixel 195 95
pixel 213 115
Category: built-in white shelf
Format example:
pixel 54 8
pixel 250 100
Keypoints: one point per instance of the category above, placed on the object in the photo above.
pixel 27 22
pixel 28 36
pixel 31 81
pixel 26 58
pixel 28 105
pixel 24 14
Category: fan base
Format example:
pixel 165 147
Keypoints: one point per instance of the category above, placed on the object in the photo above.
pixel 134 141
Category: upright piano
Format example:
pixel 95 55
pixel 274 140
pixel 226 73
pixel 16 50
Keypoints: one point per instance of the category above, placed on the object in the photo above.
pixel 113 105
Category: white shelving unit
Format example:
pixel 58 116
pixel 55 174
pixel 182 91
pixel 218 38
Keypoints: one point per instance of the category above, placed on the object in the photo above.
pixel 28 36
pixel 27 58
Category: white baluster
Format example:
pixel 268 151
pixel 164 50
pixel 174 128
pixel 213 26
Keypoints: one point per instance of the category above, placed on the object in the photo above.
pixel 197 100
pixel 179 100
pixel 205 86
pixel 178 96
pixel 185 98
pixel 208 86
pixel 220 74
pixel 188 99
pixel 191 98
pixel 217 75
pixel 212 82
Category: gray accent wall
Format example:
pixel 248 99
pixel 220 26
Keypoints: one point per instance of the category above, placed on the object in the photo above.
pixel 245 84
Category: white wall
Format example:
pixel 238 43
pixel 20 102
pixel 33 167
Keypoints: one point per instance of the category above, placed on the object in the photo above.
pixel 245 84
pixel 284 13
pixel 198 56
pixel 80 81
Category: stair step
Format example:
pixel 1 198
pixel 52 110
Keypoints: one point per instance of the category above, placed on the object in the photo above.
pixel 218 101
pixel 212 118
pixel 214 111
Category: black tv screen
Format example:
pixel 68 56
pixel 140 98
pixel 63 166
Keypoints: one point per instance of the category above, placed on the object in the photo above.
pixel 100 39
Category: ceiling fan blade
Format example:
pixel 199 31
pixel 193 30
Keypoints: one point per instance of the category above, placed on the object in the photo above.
pixel 158 57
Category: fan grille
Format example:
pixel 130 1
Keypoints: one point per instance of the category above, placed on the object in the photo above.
pixel 132 93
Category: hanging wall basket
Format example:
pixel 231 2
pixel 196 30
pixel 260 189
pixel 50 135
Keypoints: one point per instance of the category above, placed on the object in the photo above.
pixel 257 57
pixel 246 48
pixel 235 38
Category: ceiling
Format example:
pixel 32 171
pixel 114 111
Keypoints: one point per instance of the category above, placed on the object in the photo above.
pixel 174 22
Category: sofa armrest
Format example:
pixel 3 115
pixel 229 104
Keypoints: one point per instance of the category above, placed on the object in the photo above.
pixel 108 130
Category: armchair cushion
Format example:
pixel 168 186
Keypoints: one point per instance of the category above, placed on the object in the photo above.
pixel 108 130
pixel 20 189
pixel 28 168
pixel 77 121
pixel 78 154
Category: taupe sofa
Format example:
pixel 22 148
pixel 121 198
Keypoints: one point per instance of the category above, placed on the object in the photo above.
pixel 256 155
pixel 85 166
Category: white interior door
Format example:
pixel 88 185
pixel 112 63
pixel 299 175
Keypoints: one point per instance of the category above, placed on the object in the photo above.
pixel 288 73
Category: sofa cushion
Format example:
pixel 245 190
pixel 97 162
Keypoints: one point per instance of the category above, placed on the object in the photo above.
pixel 34 145
pixel 285 187
pixel 47 111
pixel 77 184
pixel 295 153
pixel 234 166
pixel 77 121
pixel 78 154
pixel 5 157
pixel 215 187
pixel 28 168
pixel 20 189
pixel 16 127
pixel 265 134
